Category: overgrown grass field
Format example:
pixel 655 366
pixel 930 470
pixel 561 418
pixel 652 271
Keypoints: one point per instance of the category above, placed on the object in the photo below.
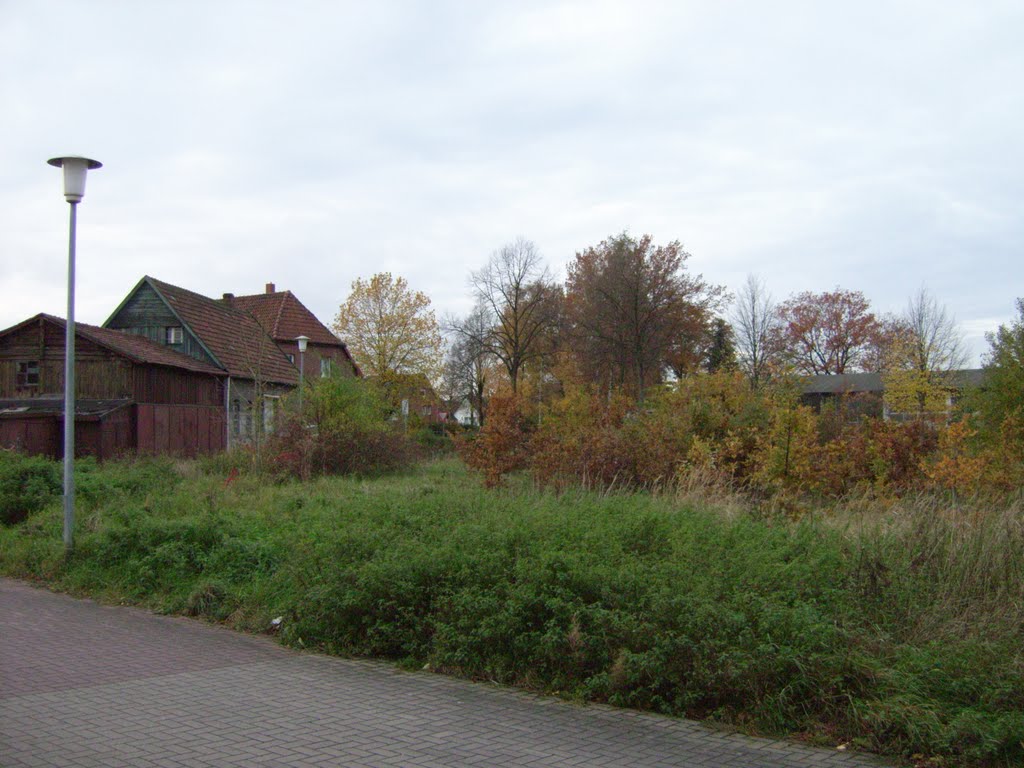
pixel 899 632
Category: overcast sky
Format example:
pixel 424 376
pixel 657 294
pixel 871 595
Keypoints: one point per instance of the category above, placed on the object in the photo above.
pixel 876 146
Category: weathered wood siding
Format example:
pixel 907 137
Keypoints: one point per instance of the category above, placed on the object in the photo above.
pixel 117 434
pixel 157 384
pixel 146 314
pixel 180 430
pixel 43 435
pixel 99 373
pixel 36 436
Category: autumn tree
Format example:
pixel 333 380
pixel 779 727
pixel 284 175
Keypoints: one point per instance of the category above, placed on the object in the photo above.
pixel 390 329
pixel 826 332
pixel 1003 392
pixel 628 303
pixel 754 322
pixel 924 358
pixel 887 347
pixel 521 304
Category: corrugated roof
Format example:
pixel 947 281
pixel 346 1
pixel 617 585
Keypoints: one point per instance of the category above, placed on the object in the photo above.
pixel 13 408
pixel 233 335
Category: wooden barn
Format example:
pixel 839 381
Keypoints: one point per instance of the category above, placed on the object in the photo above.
pixel 131 394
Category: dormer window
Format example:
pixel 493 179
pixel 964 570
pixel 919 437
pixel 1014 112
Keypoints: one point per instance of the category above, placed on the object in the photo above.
pixel 174 335
pixel 28 374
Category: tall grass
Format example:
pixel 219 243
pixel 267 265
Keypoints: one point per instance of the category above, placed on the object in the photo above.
pixel 899 631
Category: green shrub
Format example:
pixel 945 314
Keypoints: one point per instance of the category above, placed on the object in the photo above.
pixel 27 484
pixel 343 429
pixel 901 633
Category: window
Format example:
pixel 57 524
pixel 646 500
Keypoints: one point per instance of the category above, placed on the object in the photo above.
pixel 291 359
pixel 28 374
pixel 271 407
pixel 174 335
pixel 325 367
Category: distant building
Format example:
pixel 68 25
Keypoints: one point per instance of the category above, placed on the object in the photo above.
pixel 864 394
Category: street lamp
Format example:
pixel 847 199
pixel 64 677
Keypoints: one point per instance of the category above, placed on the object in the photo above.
pixel 302 342
pixel 75 169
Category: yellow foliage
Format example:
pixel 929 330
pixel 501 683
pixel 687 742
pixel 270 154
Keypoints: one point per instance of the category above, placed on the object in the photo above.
pixel 955 467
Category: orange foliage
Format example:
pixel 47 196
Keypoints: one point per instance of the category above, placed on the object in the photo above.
pixel 503 443
pixel 715 429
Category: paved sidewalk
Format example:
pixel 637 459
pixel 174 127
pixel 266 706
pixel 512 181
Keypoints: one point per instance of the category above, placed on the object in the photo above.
pixel 88 685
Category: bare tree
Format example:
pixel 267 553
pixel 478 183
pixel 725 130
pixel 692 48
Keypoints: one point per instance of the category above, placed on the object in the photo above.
pixel 754 323
pixel 516 292
pixel 469 363
pixel 928 352
pixel 936 343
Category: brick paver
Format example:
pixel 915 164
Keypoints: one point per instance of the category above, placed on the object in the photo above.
pixel 88 685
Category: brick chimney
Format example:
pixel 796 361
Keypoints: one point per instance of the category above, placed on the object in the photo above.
pixel 228 297
pixel 270 287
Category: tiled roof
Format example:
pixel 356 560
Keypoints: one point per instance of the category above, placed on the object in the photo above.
pixel 234 337
pixel 136 348
pixel 285 318
pixel 139 348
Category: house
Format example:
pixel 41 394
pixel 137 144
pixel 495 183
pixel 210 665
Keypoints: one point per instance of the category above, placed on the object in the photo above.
pixel 466 414
pixel 865 394
pixel 860 393
pixel 414 395
pixel 285 318
pixel 257 373
pixel 132 394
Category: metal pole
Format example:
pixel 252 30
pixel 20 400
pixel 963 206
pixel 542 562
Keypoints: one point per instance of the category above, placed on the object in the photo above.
pixel 302 364
pixel 69 395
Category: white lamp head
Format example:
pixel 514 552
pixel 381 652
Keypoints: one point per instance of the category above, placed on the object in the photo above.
pixel 75 168
pixel 303 341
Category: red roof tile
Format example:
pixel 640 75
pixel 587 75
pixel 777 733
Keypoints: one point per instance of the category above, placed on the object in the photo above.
pixel 232 335
pixel 285 318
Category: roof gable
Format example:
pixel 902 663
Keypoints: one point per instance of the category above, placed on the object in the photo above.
pixel 231 336
pixel 286 318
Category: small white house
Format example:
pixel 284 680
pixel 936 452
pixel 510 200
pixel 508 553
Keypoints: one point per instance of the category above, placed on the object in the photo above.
pixel 466 414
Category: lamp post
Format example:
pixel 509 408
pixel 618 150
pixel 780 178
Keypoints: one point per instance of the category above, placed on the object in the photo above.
pixel 75 169
pixel 302 342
